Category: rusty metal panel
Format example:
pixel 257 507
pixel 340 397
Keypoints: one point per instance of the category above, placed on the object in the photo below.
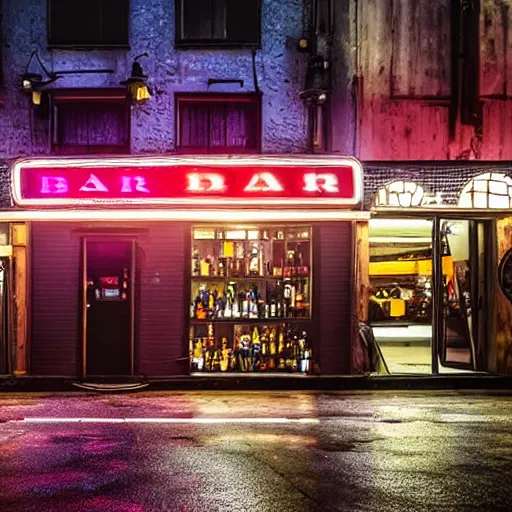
pixel 497 130
pixel 495 47
pixel 421 42
pixel 374 64
pixel 404 130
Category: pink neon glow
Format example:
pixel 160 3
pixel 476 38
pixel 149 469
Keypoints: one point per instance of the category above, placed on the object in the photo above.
pixel 199 181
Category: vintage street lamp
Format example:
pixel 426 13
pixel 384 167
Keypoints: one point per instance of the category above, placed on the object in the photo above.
pixel 137 82
pixel 32 83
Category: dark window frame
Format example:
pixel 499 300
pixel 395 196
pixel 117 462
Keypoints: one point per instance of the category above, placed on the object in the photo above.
pixel 223 98
pixel 52 43
pixel 181 42
pixel 110 96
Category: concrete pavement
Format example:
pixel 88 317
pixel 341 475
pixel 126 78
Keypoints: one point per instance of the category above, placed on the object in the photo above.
pixel 287 451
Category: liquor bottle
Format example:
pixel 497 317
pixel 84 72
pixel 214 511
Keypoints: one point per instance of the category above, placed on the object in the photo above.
pixel 225 356
pixel 219 308
pixel 256 349
pixel 273 305
pixel 272 349
pixel 236 356
pixel 198 354
pixel 254 261
pixel 254 306
pixel 237 305
pixel 281 352
pixel 238 263
pixel 211 303
pixel 196 262
pixel 245 352
pixel 217 360
pixel 264 350
pixel 199 307
pixel 305 353
pixel 221 268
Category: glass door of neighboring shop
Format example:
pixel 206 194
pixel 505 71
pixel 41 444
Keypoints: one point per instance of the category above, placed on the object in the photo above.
pixel 400 308
pixel 461 320
pixel 250 308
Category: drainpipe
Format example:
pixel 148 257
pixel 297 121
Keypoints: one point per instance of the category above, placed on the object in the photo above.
pixel 318 76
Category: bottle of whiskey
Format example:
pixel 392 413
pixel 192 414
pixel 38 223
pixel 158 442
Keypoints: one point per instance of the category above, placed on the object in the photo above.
pixel 225 356
pixel 272 349
pixel 254 261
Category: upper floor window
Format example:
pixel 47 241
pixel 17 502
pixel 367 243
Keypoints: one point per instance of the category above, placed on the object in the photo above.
pixel 90 121
pixel 218 123
pixel 226 23
pixel 88 23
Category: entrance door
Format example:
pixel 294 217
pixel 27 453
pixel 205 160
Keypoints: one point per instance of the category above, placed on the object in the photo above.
pixel 108 315
pixel 462 317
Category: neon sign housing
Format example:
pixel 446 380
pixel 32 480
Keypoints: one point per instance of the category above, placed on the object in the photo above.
pixel 298 182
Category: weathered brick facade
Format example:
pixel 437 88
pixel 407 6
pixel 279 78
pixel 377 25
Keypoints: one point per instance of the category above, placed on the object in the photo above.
pixel 280 71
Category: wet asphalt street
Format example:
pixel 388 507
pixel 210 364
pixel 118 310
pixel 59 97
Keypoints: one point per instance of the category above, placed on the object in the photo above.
pixel 253 451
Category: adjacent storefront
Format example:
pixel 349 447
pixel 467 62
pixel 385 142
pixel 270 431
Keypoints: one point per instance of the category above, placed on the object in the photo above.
pixel 436 239
pixel 176 265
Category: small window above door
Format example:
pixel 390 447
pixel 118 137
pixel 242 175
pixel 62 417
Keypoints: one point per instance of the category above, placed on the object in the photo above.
pixel 218 123
pixel 88 23
pixel 218 23
pixel 90 122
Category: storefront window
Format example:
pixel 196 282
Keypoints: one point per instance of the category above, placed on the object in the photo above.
pixel 250 305
pixel 400 193
pixel 489 190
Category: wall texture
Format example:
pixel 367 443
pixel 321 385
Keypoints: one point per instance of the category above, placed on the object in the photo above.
pixel 280 71
pixel 406 99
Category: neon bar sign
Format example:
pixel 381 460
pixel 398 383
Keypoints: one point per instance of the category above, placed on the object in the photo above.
pixel 230 181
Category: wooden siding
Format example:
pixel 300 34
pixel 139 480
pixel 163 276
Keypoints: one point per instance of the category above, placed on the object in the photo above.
pixel 496 48
pixel 163 299
pixel 404 73
pixel 160 310
pixel 420 64
pixel 332 296
pixel 55 278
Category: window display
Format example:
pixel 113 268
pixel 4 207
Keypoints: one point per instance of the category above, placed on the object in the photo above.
pixel 250 304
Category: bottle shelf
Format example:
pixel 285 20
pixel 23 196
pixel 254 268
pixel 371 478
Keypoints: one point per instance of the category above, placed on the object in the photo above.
pixel 244 321
pixel 263 270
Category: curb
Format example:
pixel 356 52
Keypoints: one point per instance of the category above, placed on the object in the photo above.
pixel 274 383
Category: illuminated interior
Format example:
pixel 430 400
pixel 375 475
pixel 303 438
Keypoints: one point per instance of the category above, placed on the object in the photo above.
pixel 250 308
pixel 401 293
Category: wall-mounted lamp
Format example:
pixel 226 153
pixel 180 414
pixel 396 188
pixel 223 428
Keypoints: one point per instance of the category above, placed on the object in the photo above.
pixel 32 82
pixel 137 82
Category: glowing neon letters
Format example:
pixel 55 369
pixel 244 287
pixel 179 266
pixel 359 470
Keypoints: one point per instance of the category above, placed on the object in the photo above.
pixel 254 184
pixel 197 182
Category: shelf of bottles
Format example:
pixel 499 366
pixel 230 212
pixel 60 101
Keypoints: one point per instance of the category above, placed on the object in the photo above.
pixel 250 299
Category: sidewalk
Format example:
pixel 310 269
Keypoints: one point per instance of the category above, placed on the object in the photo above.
pixel 244 382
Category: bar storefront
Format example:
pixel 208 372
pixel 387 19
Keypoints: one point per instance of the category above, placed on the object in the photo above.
pixel 162 266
